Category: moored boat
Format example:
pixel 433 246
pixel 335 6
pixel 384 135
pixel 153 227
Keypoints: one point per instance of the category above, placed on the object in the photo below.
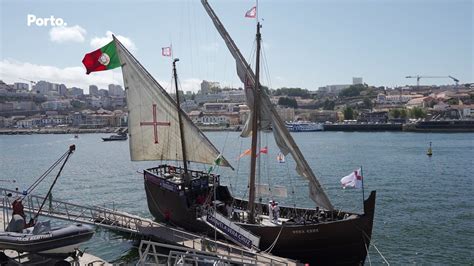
pixel 308 235
pixel 303 126
pixel 160 130
pixel 116 137
pixel 57 242
pixel 38 237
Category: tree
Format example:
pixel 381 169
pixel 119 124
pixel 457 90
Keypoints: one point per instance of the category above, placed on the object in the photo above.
pixel 367 103
pixel 395 113
pixel 215 89
pixel 76 104
pixel 288 102
pixel 329 105
pixel 453 101
pixel 293 92
pixel 348 113
pixel 417 112
pixel 403 113
pixel 352 91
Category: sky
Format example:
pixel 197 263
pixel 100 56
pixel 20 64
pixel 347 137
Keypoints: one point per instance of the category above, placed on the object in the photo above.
pixel 306 43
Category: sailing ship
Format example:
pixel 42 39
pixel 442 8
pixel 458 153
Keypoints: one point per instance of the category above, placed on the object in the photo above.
pixel 159 130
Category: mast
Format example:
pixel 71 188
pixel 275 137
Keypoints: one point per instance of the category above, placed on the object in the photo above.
pixel 181 131
pixel 256 111
pixel 283 138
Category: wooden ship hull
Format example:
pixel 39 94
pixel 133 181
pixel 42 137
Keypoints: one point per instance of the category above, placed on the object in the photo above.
pixel 322 237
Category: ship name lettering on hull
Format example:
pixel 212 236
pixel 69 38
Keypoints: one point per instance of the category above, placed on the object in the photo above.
pixel 306 231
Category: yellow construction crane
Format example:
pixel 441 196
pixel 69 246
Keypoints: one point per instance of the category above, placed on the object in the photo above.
pixel 418 77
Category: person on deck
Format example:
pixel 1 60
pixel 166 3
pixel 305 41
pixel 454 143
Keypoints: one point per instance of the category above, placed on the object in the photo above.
pixel 270 210
pixel 18 221
pixel 276 210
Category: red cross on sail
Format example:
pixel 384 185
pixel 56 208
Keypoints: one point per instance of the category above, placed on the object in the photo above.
pixel 155 124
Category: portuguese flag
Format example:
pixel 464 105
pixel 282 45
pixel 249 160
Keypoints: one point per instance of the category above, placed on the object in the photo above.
pixel 101 59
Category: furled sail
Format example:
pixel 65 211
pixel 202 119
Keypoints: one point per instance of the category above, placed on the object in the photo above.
pixel 269 116
pixel 153 119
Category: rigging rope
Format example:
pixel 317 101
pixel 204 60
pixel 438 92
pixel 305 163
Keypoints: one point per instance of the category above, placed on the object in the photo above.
pixel 236 175
pixel 372 244
pixel 237 170
pixel 366 250
pixel 266 68
pixel 293 195
pixel 267 169
pixel 222 151
pixel 380 253
pixel 270 248
pixel 258 165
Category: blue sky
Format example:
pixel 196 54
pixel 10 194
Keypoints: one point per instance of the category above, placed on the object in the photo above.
pixel 306 43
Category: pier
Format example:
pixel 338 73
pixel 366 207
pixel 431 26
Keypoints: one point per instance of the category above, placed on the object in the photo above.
pixel 169 237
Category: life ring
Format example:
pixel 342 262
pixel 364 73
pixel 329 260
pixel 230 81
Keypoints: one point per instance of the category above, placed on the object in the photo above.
pixel 172 170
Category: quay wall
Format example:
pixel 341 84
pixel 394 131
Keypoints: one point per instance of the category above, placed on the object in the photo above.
pixel 363 127
pixel 8 131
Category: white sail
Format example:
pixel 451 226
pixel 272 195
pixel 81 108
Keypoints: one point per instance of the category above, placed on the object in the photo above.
pixel 153 119
pixel 268 115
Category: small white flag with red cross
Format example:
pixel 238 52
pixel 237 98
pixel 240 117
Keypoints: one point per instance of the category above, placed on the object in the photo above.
pixel 352 180
pixel 166 51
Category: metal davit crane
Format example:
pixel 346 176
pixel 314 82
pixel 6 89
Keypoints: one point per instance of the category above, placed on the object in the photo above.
pixel 418 77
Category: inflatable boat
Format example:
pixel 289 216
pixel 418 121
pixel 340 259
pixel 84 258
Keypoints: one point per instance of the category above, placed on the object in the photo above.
pixel 59 242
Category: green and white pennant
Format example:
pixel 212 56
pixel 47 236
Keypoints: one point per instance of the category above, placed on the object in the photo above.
pixel 217 162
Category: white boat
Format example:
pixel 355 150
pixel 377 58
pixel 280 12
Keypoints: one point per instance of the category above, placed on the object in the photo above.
pixel 303 126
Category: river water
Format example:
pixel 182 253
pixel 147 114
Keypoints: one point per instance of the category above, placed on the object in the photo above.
pixel 424 210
